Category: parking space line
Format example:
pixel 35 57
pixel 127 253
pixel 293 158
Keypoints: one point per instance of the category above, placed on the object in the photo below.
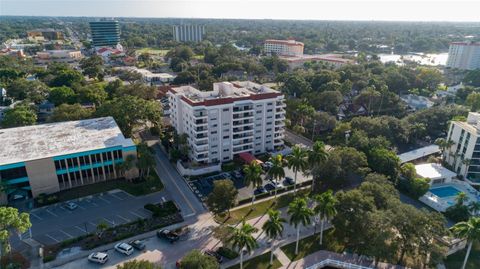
pixel 53 238
pixel 67 234
pixel 80 229
pixel 53 214
pixel 81 207
pixel 104 200
pixel 93 224
pixel 136 214
pixel 125 219
pixel 33 214
pixel 111 222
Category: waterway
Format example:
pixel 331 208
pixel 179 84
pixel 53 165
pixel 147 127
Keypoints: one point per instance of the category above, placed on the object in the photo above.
pixel 432 59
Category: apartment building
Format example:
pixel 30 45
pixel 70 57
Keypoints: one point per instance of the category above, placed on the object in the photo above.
pixel 188 33
pixel 283 47
pixel 464 55
pixel 464 154
pixel 59 56
pixel 45 34
pixel 234 117
pixel 48 158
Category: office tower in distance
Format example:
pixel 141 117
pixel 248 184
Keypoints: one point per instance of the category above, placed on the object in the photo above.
pixel 188 33
pixel 105 33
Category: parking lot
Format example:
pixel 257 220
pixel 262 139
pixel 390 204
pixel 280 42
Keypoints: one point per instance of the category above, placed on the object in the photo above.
pixel 56 223
pixel 203 187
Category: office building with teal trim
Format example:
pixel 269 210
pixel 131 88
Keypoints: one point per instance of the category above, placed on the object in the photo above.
pixel 51 157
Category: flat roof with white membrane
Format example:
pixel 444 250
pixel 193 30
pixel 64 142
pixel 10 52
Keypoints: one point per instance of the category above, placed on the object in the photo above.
pixel 418 153
pixel 434 171
pixel 56 139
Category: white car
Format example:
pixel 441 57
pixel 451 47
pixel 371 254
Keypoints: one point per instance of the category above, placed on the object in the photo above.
pixel 98 257
pixel 71 205
pixel 124 248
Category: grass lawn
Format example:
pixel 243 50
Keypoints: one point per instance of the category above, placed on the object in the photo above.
pixel 259 262
pixel 455 260
pixel 310 244
pixel 153 184
pixel 158 52
pixel 259 209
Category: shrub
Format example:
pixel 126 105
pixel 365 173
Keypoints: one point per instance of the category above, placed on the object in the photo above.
pixel 48 259
pixel 159 210
pixel 227 253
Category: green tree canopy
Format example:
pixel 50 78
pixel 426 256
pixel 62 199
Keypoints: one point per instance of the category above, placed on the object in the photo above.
pixel 19 116
pixel 222 197
pixel 66 112
pixel 62 95
pixel 11 220
pixel 196 260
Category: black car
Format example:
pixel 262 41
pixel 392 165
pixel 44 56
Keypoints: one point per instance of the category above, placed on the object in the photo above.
pixel 259 190
pixel 288 181
pixel 214 254
pixel 168 235
pixel 269 187
pixel 237 174
pixel 138 244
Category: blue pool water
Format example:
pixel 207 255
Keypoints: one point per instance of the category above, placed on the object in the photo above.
pixel 446 191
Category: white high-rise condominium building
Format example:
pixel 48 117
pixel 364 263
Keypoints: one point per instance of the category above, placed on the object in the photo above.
pixel 464 55
pixel 283 47
pixel 188 33
pixel 464 154
pixel 233 118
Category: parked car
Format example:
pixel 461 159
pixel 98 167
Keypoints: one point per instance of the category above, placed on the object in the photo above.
pixel 259 190
pixel 288 181
pixel 124 248
pixel 138 244
pixel 168 235
pixel 269 186
pixel 277 185
pixel 267 165
pixel 214 254
pixel 71 205
pixel 98 257
pixel 237 174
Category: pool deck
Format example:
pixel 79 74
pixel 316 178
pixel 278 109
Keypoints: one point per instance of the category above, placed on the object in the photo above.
pixel 442 203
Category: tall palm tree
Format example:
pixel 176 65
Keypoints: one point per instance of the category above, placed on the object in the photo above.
pixel 253 173
pixel 126 165
pixel 242 238
pixel 325 208
pixel 273 228
pixel 469 230
pixel 467 162
pixel 316 157
pixel 299 214
pixel 297 161
pixel 276 172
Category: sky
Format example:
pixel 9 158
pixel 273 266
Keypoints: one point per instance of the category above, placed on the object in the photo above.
pixel 386 10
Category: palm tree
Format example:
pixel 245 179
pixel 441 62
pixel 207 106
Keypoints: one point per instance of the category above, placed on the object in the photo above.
pixel 273 228
pixel 276 172
pixel 126 165
pixel 325 208
pixel 242 238
pixel 253 173
pixel 469 230
pixel 297 161
pixel 461 198
pixel 467 162
pixel 316 157
pixel 474 208
pixel 145 160
pixel 299 214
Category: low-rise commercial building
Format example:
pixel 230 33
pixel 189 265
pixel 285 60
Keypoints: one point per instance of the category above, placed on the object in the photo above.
pixel 333 60
pixel 464 55
pixel 48 158
pixel 60 56
pixel 233 118
pixel 45 34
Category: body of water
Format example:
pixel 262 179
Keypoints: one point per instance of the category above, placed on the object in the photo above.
pixel 432 59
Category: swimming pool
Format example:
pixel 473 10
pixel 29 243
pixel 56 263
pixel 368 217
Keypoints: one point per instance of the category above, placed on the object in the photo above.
pixel 446 191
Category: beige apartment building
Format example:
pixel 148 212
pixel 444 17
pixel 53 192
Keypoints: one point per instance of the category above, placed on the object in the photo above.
pixel 234 117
